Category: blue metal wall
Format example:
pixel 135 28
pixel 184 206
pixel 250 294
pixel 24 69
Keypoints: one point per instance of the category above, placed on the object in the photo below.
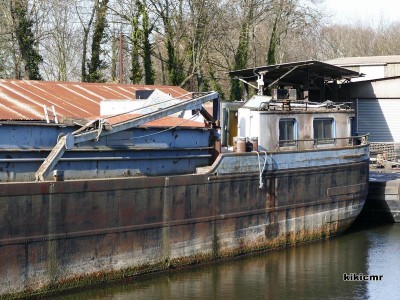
pixel 135 152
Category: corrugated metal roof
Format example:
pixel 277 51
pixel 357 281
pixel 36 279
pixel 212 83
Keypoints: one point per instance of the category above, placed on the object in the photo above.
pixel 364 60
pixel 24 100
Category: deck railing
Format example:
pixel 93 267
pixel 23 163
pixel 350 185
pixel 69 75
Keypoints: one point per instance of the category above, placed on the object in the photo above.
pixel 324 142
pixel 290 105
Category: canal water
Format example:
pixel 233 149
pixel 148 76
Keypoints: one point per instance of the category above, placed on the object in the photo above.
pixel 312 271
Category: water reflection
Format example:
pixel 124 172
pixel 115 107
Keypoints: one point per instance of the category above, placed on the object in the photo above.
pixel 384 259
pixel 313 271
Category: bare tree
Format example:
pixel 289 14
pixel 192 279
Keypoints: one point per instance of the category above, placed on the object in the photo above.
pixel 201 19
pixel 192 43
pixel 8 66
pixel 134 14
pixel 62 43
pixel 252 12
pixel 170 13
pixel 87 27
pixel 291 19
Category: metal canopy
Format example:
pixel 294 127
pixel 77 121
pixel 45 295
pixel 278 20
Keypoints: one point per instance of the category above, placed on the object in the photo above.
pixel 295 72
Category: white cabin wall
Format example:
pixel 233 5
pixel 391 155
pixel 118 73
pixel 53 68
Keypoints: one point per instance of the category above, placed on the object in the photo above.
pixel 265 126
pixel 343 125
pixel 269 131
pixel 254 129
pixel 243 121
pixel 269 125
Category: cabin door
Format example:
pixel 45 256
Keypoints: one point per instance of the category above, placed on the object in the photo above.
pixel 232 125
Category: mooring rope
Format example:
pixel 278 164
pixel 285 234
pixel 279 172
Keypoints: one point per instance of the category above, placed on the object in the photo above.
pixel 259 167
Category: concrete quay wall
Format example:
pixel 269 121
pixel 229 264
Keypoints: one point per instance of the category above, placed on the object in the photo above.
pixel 383 200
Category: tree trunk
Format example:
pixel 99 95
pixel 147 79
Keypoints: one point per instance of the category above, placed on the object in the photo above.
pixel 136 70
pixel 26 40
pixel 96 64
pixel 86 31
pixel 148 66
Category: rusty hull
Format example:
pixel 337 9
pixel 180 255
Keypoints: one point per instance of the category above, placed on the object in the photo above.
pixel 56 236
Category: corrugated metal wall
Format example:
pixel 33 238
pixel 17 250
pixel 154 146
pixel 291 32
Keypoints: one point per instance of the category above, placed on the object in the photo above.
pixel 380 118
pixel 392 70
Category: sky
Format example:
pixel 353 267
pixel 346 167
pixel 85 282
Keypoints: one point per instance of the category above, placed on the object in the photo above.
pixel 369 12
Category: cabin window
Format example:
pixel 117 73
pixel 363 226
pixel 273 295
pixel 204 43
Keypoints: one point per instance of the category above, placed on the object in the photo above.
pixel 324 129
pixel 287 132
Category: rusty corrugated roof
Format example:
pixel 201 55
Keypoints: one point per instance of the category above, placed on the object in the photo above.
pixel 24 100
pixel 168 121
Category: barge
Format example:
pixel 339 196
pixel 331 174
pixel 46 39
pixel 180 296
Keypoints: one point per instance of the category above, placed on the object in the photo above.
pixel 118 197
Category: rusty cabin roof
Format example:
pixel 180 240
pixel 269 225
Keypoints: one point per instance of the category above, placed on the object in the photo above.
pixel 22 100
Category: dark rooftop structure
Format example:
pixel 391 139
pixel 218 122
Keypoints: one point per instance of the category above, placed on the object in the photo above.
pixel 311 77
pixel 297 71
